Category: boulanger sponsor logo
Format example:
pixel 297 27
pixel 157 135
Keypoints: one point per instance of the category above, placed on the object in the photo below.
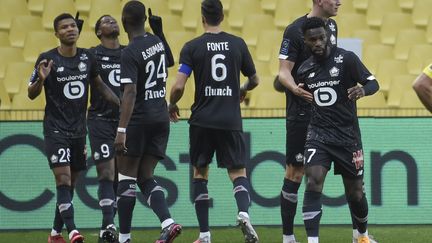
pixel 72 77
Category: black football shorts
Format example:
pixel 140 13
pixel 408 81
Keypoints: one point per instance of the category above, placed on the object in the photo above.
pixel 102 134
pixel 295 142
pixel 63 151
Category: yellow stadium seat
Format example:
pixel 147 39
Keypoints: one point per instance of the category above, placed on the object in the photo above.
pixel 172 23
pixel 176 40
pixel 376 100
pixel 158 7
pixel 37 42
pixel 262 68
pixel 22 102
pixel 429 31
pixel 266 84
pixel 266 40
pixel 191 16
pixel 421 12
pixel 405 39
pixel 5 102
pixel 361 5
pixel 10 9
pixel 226 5
pixel 88 39
pixel 4 39
pixel 16 77
pixel 378 8
pixel 83 6
pixel 346 7
pixel 349 22
pixel 36 6
pixel 373 53
pixel 287 11
pixel 269 5
pixel 269 100
pixel 406 4
pixel 410 100
pixel 56 7
pixel 417 55
pixel 255 23
pixel 399 84
pixel 9 54
pixel 102 7
pixel 176 5
pixel 368 36
pixel 391 24
pixel 20 26
pixel 239 10
pixel 387 69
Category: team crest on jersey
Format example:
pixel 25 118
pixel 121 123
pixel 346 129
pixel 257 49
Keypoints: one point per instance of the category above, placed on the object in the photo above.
pixel 332 27
pixel 299 157
pixel 105 58
pixel 82 67
pixel 54 158
pixel 96 156
pixel 83 57
pixel 338 59
pixel 334 72
pixel 60 69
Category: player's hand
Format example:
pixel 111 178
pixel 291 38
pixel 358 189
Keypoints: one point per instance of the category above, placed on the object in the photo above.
pixel 355 93
pixel 299 91
pixel 174 113
pixel 155 23
pixel 79 22
pixel 44 68
pixel 120 143
pixel 243 93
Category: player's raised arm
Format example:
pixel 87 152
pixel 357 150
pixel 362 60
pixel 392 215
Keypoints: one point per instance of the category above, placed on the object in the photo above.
pixel 38 77
pixel 156 26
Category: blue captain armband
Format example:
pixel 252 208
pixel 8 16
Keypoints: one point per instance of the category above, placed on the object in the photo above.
pixel 185 69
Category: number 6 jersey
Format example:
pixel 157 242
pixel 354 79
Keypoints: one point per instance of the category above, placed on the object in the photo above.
pixel 66 92
pixel 217 60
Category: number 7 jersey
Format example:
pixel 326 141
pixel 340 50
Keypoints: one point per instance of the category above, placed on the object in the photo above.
pixel 217 60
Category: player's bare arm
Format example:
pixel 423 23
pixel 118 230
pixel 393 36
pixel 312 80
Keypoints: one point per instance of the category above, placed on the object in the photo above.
pixel 176 93
pixel 106 92
pixel 423 87
pixel 43 70
pixel 287 80
pixel 250 84
pixel 126 107
pixel 369 88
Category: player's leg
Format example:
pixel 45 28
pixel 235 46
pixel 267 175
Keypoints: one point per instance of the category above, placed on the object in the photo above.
pixel 294 171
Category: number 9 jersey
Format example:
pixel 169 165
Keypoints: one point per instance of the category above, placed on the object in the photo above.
pixel 217 60
pixel 66 92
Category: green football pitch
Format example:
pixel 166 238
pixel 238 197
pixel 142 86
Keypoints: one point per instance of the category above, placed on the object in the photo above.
pixel 328 234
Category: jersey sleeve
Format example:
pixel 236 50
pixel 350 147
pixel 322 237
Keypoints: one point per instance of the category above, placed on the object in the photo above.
pixel 185 56
pixel 248 66
pixel 34 75
pixel 292 42
pixel 428 71
pixel 128 68
pixel 359 72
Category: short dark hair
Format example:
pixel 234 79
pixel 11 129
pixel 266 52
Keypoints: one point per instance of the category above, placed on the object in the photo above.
pixel 212 10
pixel 312 23
pixel 134 13
pixel 98 22
pixel 60 18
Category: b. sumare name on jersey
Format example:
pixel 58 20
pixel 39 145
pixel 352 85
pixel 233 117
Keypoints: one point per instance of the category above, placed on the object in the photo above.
pixel 149 52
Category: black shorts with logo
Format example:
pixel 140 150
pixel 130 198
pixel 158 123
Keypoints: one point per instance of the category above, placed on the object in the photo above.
pixel 348 160
pixel 229 146
pixel 102 134
pixel 64 151
pixel 147 139
pixel 295 142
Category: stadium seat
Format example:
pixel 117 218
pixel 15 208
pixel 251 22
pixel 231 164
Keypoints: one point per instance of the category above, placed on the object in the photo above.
pixel 274 60
pixel 269 100
pixel 417 55
pixel 421 12
pixel 373 53
pixel 176 40
pixel 191 16
pixel 253 25
pixel 226 5
pixel 88 39
pixel 267 39
pixel 387 69
pixel 349 22
pixel 287 11
pixel 176 5
pixel 22 102
pixel 378 8
pixel 376 100
pixel 239 8
pixel 16 77
pixel 399 84
pixel 410 100
pixel 405 39
pixel 429 31
pixel 5 102
pixel 83 6
pixel 37 42
pixel 368 36
pixel 262 68
pixel 361 5
pixel 102 7
pixel 346 7
pixel 172 23
pixel 55 8
pixel 406 4
pixel 10 9
pixel 20 26
pixel 269 5
pixel 36 6
pixel 9 54
pixel 391 24
pixel 4 39
pixel 158 7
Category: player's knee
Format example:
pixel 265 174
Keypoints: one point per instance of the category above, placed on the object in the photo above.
pixel 63 179
pixel 294 173
pixel 106 174
pixel 150 187
pixel 314 184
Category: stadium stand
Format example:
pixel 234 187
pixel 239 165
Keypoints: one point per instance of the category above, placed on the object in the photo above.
pixel 373 53
pixel 55 8
pixel 191 18
pixel 406 4
pixel 20 26
pixel 16 77
pixel 417 56
pixel 391 24
pixel 421 12
pixel 83 6
pixel 405 39
pixel 367 36
pixel 37 42
pixel 376 10
pixel 399 84
pixel 10 9
pixel 9 54
pixel 176 5
pixel 268 5
pixel 287 11
pixel 256 23
pixel 4 39
pixel 361 5
pixel 429 31
pixel 239 11
pixel 349 22
pixel 36 6
pixel 387 69
pixel 5 102
pixel 111 7
pixel 267 39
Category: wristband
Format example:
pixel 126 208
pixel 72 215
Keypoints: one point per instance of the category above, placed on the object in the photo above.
pixel 121 129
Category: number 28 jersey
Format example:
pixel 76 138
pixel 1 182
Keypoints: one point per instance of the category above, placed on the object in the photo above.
pixel 66 92
pixel 217 60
